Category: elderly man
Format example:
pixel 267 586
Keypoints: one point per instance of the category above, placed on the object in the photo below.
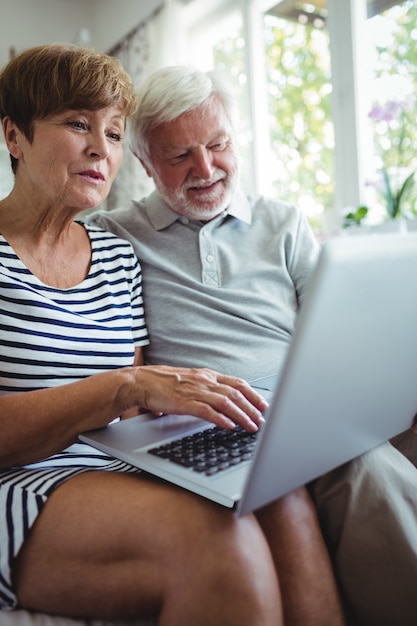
pixel 224 276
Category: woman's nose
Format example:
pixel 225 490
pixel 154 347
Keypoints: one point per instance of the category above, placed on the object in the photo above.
pixel 98 146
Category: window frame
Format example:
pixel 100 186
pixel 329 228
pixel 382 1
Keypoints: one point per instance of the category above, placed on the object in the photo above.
pixel 346 22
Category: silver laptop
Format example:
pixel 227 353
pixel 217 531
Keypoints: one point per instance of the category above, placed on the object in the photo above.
pixel 349 383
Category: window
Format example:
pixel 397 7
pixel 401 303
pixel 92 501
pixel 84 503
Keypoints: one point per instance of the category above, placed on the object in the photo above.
pixel 392 107
pixel 302 72
pixel 299 91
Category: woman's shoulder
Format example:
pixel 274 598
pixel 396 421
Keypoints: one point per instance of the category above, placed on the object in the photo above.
pixel 111 252
pixel 103 237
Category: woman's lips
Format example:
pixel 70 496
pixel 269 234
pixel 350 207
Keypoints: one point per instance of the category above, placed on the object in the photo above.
pixel 93 175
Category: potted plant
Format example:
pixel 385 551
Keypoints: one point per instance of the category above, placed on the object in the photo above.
pixel 397 181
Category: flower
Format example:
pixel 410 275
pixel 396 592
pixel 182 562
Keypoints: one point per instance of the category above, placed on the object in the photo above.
pixel 391 111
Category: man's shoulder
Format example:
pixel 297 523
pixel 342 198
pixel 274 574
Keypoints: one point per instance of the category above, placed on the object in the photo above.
pixel 273 211
pixel 132 211
pixel 257 207
pixel 270 204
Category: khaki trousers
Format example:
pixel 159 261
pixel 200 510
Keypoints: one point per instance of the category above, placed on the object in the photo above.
pixel 368 513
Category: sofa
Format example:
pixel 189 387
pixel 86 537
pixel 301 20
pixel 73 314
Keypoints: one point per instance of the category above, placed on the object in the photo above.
pixel 26 618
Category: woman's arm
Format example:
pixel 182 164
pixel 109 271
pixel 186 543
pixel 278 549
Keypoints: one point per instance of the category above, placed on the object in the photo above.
pixel 36 424
pixel 135 410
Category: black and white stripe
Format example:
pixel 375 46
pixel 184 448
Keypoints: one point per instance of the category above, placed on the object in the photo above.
pixel 50 337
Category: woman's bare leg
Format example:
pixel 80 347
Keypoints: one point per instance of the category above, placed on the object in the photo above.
pixel 117 546
pixel 309 591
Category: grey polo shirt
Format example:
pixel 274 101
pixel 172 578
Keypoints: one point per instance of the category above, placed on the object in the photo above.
pixel 222 294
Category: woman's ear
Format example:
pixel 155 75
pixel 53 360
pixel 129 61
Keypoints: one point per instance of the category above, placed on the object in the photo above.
pixel 12 137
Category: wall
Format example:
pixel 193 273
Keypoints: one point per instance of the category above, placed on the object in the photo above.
pixel 111 25
pixel 25 23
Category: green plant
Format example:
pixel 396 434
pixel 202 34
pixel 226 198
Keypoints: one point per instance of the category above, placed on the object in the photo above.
pixel 354 218
pixel 393 198
pixel 391 117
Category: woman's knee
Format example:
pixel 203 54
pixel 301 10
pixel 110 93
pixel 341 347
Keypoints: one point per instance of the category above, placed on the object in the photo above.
pixel 236 564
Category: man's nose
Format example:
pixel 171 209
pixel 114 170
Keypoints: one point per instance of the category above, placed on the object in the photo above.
pixel 202 164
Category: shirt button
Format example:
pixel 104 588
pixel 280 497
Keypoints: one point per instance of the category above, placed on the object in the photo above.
pixel 206 234
pixel 210 258
pixel 184 220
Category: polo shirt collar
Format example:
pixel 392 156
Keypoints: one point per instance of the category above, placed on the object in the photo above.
pixel 161 215
pixel 240 207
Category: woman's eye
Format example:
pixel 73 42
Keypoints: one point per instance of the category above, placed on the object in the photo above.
pixel 77 124
pixel 115 136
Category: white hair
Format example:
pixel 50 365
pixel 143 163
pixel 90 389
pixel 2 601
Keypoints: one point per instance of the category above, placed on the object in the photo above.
pixel 170 92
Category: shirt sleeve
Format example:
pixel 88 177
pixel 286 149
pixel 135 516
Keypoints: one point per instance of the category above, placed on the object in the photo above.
pixel 304 256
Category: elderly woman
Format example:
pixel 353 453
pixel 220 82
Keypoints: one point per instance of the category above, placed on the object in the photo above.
pixel 80 533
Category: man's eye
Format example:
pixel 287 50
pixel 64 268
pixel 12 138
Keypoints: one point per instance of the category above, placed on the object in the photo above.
pixel 219 146
pixel 179 157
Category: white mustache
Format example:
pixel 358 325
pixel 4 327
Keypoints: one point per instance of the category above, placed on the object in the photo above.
pixel 201 183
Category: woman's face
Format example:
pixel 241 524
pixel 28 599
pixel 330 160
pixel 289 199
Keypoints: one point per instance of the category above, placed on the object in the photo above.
pixel 73 158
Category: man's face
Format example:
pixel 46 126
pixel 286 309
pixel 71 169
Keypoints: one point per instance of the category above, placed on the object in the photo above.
pixel 194 164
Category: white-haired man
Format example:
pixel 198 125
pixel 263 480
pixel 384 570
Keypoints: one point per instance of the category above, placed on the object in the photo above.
pixel 224 276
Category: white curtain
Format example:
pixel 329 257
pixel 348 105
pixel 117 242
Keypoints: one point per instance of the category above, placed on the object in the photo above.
pixel 152 44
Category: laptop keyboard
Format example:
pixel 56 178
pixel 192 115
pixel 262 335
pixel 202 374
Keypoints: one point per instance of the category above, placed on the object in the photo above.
pixel 209 451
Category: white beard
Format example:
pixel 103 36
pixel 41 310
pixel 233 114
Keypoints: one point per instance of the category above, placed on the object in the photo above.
pixel 209 204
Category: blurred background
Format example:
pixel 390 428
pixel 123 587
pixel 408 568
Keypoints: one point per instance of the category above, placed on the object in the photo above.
pixel 327 89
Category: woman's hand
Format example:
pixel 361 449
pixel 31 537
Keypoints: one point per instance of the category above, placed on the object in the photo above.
pixel 218 398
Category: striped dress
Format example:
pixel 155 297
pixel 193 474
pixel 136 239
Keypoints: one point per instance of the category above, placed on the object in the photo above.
pixel 49 337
